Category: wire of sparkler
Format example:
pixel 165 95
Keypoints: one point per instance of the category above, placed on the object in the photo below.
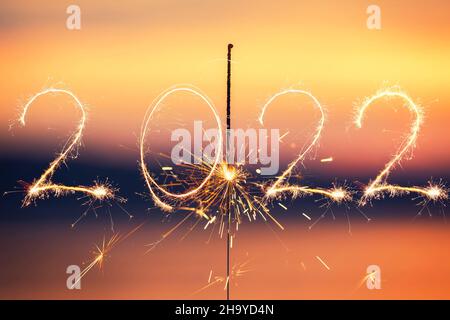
pixel 228 155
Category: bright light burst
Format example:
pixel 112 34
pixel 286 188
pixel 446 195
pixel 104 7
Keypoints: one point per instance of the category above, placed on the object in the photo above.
pixel 228 193
pixel 100 252
pixel 214 190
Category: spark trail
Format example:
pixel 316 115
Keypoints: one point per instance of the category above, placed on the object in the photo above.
pixel 42 186
pixel 379 185
pixel 280 186
pixel 154 186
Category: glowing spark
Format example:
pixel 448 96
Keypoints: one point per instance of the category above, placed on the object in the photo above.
pixel 338 194
pixel 284 135
pixel 330 159
pixel 209 222
pixel 238 270
pixel 210 275
pixel 228 172
pixel 100 252
pixel 380 184
pixel 226 283
pixel 282 205
pixel 167 168
pixel 370 276
pixel 306 216
pixel 322 262
pixel 434 192
pixel 41 187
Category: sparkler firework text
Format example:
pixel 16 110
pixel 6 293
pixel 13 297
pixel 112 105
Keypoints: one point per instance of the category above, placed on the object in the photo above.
pixel 376 188
pixel 279 187
pixel 223 182
pixel 42 186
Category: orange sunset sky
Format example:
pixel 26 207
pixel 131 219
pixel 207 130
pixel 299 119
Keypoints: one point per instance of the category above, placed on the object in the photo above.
pixel 127 53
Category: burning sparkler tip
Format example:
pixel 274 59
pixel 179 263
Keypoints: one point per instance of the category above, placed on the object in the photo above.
pixel 229 173
pixel 436 193
pixel 340 194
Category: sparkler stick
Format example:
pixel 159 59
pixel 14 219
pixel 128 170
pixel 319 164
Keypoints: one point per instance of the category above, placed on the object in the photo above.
pixel 380 184
pixel 228 155
pixel 41 187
